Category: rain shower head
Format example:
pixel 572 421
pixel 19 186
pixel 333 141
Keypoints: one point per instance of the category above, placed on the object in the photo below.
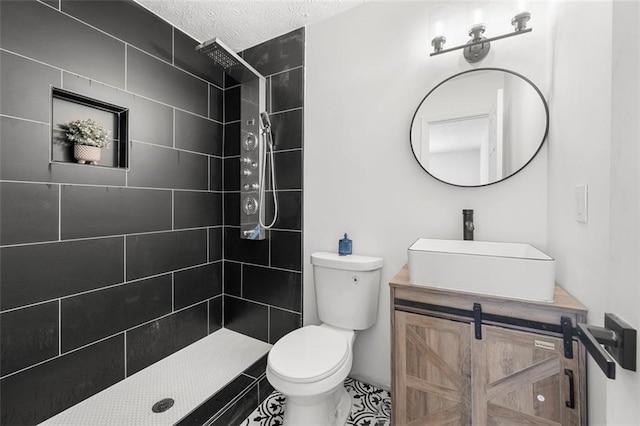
pixel 228 60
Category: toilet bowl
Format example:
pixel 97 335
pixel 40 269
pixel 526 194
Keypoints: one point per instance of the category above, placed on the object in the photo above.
pixel 309 365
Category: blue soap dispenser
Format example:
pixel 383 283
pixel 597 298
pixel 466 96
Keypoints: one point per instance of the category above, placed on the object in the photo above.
pixel 344 246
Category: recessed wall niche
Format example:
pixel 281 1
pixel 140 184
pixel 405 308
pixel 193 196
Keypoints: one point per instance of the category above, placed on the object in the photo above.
pixel 68 106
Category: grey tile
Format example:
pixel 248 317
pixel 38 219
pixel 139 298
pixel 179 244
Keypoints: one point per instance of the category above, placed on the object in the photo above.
pixel 26 87
pixel 24 155
pixel 152 342
pixel 197 284
pixel 215 174
pixel 232 139
pixel 63 41
pixel 216 103
pixel 29 213
pixel 187 58
pixel 215 314
pixel 273 287
pixel 198 134
pixel 28 336
pixel 287 90
pixel 31 396
pixel 246 317
pixel 157 167
pixel 278 54
pixel 232 104
pixel 39 272
pixel 89 211
pixel 93 316
pixel 286 249
pixel 151 254
pixel 151 122
pixel 160 81
pixel 126 20
pixel 197 209
pixel 287 129
pixel 93 89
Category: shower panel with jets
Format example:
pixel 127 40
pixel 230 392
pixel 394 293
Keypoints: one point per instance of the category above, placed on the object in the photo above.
pixel 256 141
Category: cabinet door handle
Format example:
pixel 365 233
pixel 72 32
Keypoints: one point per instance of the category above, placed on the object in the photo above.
pixel 571 403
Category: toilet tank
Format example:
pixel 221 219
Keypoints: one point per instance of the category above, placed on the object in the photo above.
pixel 347 289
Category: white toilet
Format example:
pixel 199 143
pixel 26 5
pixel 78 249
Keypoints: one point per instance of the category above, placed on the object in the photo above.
pixel 309 365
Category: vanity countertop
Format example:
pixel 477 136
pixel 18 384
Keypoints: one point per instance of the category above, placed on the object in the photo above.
pixel 562 300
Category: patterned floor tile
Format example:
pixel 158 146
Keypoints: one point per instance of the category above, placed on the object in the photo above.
pixel 371 407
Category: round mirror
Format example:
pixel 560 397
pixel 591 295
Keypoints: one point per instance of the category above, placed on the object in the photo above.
pixel 479 127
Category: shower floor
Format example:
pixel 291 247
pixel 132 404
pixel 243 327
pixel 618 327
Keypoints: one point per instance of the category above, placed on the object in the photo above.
pixel 189 376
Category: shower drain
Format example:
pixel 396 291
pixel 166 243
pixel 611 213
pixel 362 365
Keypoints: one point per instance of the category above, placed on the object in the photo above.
pixel 162 405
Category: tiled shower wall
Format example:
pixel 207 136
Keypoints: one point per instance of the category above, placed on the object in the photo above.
pixel 104 270
pixel 263 279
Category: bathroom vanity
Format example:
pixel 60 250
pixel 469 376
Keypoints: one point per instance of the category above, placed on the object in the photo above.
pixel 463 358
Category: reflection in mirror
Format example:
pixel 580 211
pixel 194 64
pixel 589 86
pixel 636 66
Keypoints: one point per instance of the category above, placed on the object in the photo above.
pixel 479 127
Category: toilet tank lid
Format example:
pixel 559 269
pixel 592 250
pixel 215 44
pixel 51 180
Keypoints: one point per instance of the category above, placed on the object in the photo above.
pixel 350 262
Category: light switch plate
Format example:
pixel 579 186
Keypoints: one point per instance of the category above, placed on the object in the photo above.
pixel 581 195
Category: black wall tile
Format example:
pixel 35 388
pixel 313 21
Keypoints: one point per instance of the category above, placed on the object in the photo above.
pixel 89 211
pixel 29 213
pixel 126 20
pixel 151 254
pixel 246 317
pixel 215 314
pixel 158 80
pixel 232 139
pixel 197 284
pixel 215 244
pixel 61 41
pixel 198 134
pixel 157 167
pixel 216 103
pixel 290 162
pixel 52 3
pixel 287 90
pixel 26 87
pixel 40 392
pixel 286 247
pixel 250 251
pixel 196 209
pixel 28 336
pixel 239 410
pixel 39 272
pixel 278 54
pixel 24 155
pixel 258 368
pixel 152 342
pixel 92 316
pixel 187 58
pixel 232 278
pixel 264 390
pixel 232 208
pixel 287 129
pixel 92 89
pixel 217 402
pixel 232 174
pixel 215 174
pixel 281 323
pixel 289 209
pixel 272 286
pixel 232 104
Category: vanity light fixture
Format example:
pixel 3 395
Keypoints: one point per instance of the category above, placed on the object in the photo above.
pixel 477 48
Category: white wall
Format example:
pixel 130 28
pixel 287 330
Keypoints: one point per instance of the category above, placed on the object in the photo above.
pixel 367 71
pixel 594 140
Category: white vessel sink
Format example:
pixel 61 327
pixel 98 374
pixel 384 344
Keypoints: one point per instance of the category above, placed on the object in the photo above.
pixel 511 270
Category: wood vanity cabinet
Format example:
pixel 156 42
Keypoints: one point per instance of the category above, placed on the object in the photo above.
pixel 468 359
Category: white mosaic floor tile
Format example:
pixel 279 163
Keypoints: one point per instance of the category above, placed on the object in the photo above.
pixel 371 407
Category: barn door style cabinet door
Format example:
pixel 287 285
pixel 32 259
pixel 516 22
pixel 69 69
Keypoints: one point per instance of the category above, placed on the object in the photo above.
pixel 464 359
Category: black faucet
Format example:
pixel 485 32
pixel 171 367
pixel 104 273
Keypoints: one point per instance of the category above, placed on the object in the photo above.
pixel 467 224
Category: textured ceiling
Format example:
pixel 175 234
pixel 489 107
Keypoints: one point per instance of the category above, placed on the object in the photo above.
pixel 244 23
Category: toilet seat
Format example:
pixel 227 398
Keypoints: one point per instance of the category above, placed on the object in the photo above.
pixel 309 354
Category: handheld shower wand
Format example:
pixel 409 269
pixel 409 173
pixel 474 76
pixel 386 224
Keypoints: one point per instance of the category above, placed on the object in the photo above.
pixel 265 125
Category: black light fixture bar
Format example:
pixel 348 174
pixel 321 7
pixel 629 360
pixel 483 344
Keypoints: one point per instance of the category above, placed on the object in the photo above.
pixel 483 41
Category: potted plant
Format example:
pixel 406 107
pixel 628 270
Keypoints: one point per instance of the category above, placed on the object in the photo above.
pixel 88 138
